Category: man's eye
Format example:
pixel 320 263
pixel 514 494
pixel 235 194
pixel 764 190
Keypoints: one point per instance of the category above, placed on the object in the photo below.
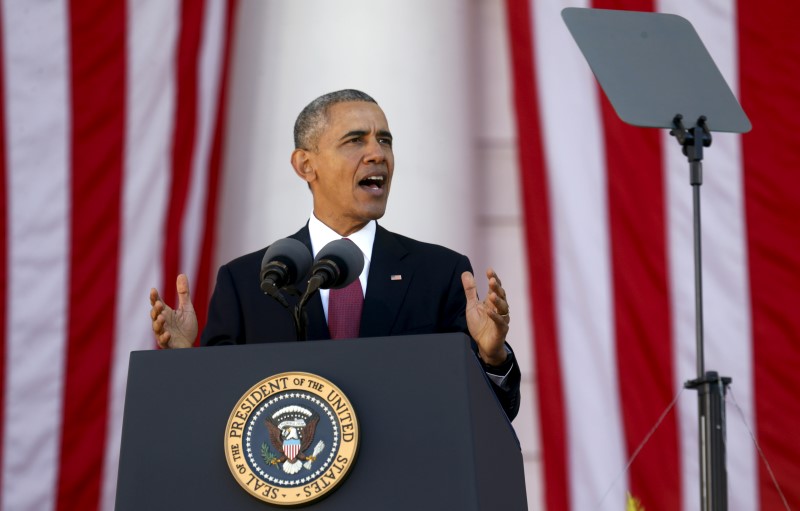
pixel 386 141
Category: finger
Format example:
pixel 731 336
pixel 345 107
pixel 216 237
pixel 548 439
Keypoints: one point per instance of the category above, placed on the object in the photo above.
pixel 496 288
pixel 158 325
pixel 157 308
pixel 470 289
pixel 491 274
pixel 154 296
pixel 184 298
pixel 494 283
pixel 163 340
pixel 502 321
pixel 500 305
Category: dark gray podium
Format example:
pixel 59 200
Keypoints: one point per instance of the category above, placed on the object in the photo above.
pixel 433 436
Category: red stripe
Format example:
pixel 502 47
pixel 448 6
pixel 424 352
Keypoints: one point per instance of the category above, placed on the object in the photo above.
pixel 769 54
pixel 642 318
pixel 183 142
pixel 3 254
pixel 97 48
pixel 202 288
pixel 539 244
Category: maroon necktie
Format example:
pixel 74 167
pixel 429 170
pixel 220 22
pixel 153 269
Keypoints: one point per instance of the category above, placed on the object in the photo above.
pixel 344 311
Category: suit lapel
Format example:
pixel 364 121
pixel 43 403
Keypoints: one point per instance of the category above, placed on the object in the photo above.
pixel 387 284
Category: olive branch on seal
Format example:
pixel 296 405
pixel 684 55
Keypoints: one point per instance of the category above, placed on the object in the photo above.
pixel 266 453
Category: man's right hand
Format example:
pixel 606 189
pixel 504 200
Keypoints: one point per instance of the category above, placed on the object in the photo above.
pixel 174 328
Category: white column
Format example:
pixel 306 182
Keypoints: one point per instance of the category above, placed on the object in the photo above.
pixel 414 57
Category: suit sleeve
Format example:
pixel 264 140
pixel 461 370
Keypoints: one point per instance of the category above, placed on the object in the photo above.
pixel 504 379
pixel 225 321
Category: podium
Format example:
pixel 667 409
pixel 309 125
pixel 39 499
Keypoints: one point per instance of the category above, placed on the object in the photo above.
pixel 432 434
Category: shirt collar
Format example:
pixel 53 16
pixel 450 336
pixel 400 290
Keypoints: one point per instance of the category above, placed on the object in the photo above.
pixel 321 235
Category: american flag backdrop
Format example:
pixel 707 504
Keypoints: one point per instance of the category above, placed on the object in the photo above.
pixel 112 121
pixel 609 236
pixel 111 124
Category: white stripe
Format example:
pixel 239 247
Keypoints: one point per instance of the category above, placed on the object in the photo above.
pixel 150 105
pixel 575 158
pixel 37 127
pixel 207 94
pixel 725 277
pixel 727 319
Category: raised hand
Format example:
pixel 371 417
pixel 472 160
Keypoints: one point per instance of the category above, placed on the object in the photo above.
pixel 174 328
pixel 487 320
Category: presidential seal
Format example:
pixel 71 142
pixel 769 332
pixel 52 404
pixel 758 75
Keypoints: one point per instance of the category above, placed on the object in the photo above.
pixel 291 439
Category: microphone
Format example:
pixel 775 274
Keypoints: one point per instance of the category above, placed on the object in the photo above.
pixel 337 265
pixel 285 263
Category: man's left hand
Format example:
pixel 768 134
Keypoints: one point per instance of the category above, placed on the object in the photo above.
pixel 487 320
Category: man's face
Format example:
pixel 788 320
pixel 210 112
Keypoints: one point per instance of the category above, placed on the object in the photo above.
pixel 353 166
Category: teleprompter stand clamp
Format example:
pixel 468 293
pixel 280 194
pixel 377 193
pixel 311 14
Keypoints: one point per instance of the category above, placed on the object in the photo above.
pixel 655 71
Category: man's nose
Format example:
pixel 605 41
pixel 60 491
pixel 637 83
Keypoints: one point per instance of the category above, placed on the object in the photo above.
pixel 375 152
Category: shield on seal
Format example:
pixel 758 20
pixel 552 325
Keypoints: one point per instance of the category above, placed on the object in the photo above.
pixel 291 447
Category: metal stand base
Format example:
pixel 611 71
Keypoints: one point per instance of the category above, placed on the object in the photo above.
pixel 711 412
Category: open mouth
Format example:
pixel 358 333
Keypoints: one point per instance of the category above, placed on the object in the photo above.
pixel 373 182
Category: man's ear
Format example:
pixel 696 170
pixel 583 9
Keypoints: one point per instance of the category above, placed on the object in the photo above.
pixel 303 165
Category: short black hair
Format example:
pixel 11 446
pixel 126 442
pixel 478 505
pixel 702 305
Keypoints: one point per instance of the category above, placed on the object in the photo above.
pixel 312 120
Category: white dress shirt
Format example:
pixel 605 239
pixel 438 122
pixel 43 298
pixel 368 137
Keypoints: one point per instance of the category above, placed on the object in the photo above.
pixel 321 235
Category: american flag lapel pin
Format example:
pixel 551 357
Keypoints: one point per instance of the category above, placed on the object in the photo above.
pixel 396 277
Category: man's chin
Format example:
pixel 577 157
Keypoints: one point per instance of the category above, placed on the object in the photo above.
pixel 377 215
pixel 374 211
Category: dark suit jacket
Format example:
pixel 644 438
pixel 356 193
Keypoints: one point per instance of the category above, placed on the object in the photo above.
pixel 428 298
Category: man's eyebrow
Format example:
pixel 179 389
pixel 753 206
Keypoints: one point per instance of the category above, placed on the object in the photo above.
pixel 354 133
pixel 361 133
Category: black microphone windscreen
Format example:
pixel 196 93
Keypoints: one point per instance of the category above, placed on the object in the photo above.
pixel 293 254
pixel 347 256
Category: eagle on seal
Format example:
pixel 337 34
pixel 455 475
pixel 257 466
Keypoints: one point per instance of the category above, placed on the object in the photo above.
pixel 292 438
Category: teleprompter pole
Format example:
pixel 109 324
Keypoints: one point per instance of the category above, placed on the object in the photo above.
pixel 711 387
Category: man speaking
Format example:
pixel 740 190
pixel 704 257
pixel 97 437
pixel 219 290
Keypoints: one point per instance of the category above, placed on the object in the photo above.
pixel 343 151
